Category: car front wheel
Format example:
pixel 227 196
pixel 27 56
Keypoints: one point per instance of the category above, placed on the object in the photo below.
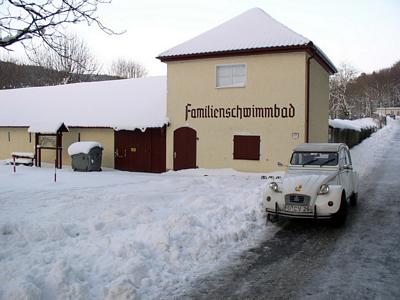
pixel 340 217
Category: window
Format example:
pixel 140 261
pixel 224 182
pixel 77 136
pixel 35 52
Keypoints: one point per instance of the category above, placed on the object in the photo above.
pixel 30 137
pixel 231 75
pixel 9 136
pixel 342 158
pixel 246 147
pixel 314 158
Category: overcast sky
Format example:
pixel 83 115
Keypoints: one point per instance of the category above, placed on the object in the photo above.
pixel 364 33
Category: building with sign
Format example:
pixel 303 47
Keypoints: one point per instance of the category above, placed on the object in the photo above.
pixel 387 111
pixel 241 95
pixel 244 94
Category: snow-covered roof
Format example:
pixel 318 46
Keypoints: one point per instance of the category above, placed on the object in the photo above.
pixel 119 104
pixel 47 127
pixel 251 30
pixel 356 125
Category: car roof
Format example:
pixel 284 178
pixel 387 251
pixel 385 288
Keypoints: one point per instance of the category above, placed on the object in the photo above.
pixel 319 147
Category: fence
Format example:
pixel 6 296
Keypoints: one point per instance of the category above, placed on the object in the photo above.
pixel 349 136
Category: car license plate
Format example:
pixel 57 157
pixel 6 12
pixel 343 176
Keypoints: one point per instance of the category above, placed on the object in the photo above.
pixel 297 208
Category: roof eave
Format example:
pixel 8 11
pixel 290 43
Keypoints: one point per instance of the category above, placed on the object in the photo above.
pixel 310 48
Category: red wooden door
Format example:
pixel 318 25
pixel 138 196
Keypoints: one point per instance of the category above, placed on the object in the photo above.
pixel 184 148
pixel 158 150
pixel 133 150
pixel 120 148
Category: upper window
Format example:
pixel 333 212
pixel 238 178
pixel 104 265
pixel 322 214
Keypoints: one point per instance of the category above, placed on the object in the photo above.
pixel 231 75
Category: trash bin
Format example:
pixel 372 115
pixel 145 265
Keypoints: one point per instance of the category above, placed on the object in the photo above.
pixel 86 156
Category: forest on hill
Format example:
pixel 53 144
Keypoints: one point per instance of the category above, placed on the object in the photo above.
pixel 354 95
pixel 14 75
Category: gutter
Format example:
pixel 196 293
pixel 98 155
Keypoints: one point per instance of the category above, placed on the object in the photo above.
pixel 307 135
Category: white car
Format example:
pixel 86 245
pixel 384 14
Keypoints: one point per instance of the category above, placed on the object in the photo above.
pixel 319 183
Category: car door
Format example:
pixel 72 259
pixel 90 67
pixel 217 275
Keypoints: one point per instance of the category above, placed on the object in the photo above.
pixel 345 172
pixel 352 175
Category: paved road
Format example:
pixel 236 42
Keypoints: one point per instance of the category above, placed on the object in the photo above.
pixel 312 260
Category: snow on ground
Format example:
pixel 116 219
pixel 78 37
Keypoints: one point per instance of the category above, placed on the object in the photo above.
pixel 121 235
pixel 111 234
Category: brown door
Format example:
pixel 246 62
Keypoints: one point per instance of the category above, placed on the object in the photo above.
pixel 140 151
pixel 158 150
pixel 120 150
pixel 184 148
pixel 133 150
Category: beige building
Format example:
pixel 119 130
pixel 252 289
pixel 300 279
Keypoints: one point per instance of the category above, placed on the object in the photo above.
pixel 128 117
pixel 385 111
pixel 244 94
pixel 241 96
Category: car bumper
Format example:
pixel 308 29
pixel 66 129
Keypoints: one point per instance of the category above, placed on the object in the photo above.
pixel 313 215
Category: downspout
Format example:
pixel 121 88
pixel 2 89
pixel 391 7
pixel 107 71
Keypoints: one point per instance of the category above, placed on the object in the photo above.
pixel 307 135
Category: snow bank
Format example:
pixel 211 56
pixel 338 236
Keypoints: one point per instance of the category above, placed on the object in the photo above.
pixel 82 147
pixel 121 235
pixel 358 125
pixel 364 154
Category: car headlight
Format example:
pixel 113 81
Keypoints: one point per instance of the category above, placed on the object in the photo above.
pixel 274 186
pixel 324 189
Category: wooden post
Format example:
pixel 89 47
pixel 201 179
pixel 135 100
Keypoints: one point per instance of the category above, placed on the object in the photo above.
pixel 36 149
pixel 40 157
pixel 60 150
pixel 55 170
pixel 15 168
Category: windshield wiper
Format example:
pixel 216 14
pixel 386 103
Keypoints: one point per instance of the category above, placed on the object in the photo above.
pixel 310 161
pixel 328 161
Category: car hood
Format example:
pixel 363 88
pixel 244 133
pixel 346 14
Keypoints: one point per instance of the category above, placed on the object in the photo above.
pixel 305 182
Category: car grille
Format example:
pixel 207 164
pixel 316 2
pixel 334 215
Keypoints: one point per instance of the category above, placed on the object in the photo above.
pixel 297 199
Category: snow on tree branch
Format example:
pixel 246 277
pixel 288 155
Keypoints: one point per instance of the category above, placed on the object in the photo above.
pixel 22 20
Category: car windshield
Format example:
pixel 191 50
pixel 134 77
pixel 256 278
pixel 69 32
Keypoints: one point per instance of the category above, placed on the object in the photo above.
pixel 314 158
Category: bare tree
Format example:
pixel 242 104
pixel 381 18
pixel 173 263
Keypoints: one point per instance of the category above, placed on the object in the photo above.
pixel 73 58
pixel 339 104
pixel 22 21
pixel 126 68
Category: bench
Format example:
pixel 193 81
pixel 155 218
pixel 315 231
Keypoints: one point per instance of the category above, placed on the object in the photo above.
pixel 23 158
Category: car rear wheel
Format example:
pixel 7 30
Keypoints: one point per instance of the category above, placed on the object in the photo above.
pixel 340 217
pixel 353 199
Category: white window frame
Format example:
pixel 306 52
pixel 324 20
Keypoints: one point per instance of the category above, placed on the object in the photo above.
pixel 237 85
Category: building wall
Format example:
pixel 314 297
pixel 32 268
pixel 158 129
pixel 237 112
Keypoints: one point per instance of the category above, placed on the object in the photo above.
pixel 19 142
pixel 271 79
pixel 319 103
pixel 383 111
pixel 104 136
